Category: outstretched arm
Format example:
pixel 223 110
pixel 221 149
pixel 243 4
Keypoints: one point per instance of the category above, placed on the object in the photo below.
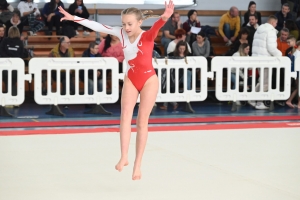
pixel 91 24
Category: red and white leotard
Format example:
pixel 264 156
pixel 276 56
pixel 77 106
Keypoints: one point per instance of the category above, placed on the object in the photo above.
pixel 138 54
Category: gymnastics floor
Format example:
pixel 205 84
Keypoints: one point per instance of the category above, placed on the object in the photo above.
pixel 210 162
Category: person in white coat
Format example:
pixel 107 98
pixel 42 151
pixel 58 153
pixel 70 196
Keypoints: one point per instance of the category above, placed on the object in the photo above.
pixel 264 44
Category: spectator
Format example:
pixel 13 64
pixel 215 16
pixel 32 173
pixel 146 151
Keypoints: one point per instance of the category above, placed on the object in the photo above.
pixel 112 47
pixel 264 44
pixel 168 30
pixel 251 27
pixel 282 44
pixel 181 51
pixel 242 38
pixel 180 35
pixel 291 42
pixel 201 47
pixel 52 16
pixel 229 25
pixel 192 21
pixel 292 27
pixel 252 11
pixel 283 15
pixel 12 47
pixel 15 21
pixel 61 50
pixel 5 11
pixel 79 9
pixel 2 32
pixel 92 52
pixel 30 13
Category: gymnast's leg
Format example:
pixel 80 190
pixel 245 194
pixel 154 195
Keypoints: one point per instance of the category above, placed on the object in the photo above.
pixel 128 101
pixel 148 97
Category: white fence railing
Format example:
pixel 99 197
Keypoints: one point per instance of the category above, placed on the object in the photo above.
pixel 12 75
pixel 269 87
pixel 66 73
pixel 297 69
pixel 181 80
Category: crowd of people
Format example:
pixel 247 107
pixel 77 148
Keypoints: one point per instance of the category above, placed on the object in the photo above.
pixel 279 34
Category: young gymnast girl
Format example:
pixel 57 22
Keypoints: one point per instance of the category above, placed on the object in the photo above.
pixel 140 76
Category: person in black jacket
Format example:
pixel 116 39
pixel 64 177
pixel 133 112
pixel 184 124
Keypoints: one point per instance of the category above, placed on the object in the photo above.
pixel 12 47
pixel 79 9
pixel 2 32
pixel 251 11
pixel 52 16
pixel 15 21
pixel 92 52
pixel 283 15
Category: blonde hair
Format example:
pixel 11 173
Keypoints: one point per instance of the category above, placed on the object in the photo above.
pixel 140 15
pixel 241 49
pixel 13 32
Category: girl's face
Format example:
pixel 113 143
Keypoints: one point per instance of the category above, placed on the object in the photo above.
pixel 252 8
pixel 57 1
pixel 78 2
pixel 200 39
pixel 244 36
pixel 15 18
pixel 193 17
pixel 246 50
pixel 130 24
pixel 181 49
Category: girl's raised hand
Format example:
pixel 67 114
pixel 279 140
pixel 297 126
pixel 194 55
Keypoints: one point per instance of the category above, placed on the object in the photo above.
pixel 67 16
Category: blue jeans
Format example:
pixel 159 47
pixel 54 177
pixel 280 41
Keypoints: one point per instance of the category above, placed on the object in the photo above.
pixel 189 80
pixel 228 33
pixel 165 42
pixel 91 86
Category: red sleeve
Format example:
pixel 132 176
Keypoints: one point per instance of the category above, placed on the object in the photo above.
pixel 153 31
pixel 186 27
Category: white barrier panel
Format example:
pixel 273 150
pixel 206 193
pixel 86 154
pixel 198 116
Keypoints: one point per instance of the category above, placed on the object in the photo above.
pixel 13 70
pixel 52 66
pixel 297 69
pixel 184 72
pixel 265 65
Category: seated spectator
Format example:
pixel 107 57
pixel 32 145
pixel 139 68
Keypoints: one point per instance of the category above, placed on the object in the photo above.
pixel 282 44
pixel 252 11
pixel 192 21
pixel 112 47
pixel 61 50
pixel 180 35
pixel 92 52
pixel 292 27
pixel 30 13
pixel 5 11
pixel 242 38
pixel 229 25
pixel 52 16
pixel 181 51
pixel 168 30
pixel 15 21
pixel 283 15
pixel 2 32
pixel 12 47
pixel 201 47
pixel 79 9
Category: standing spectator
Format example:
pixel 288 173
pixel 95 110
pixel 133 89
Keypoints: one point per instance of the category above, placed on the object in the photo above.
pixel 264 44
pixel 112 47
pixel 252 11
pixel 192 21
pixel 180 35
pixel 5 11
pixel 292 27
pixel 283 15
pixel 12 47
pixel 15 21
pixel 2 32
pixel 79 9
pixel 229 25
pixel 168 30
pixel 282 44
pixel 30 13
pixel 52 16
pixel 92 52
pixel 251 27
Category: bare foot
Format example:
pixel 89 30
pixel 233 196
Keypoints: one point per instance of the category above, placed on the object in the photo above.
pixel 289 104
pixel 137 174
pixel 121 164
